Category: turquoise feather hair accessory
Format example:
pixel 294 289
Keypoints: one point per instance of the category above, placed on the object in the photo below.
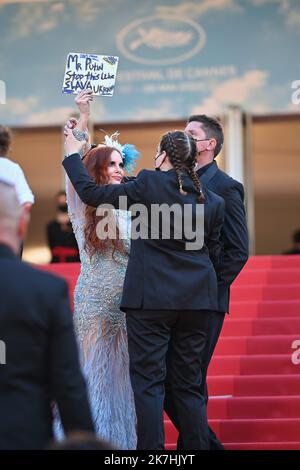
pixel 131 154
pixel 128 151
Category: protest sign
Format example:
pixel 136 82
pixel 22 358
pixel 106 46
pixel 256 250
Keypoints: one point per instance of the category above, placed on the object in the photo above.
pixel 97 72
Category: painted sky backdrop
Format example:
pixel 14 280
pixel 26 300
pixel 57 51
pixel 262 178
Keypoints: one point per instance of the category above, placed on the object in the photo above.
pixel 176 57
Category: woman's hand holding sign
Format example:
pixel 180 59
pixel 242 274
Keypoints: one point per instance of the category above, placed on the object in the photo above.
pixel 80 127
pixel 72 145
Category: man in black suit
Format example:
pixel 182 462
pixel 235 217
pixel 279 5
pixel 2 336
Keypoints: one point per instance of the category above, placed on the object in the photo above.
pixel 40 364
pixel 208 134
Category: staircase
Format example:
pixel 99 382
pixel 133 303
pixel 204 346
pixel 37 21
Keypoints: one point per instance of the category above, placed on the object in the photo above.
pixel 254 385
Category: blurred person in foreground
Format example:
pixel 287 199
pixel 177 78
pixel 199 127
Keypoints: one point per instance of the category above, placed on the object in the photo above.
pixel 61 239
pixel 41 357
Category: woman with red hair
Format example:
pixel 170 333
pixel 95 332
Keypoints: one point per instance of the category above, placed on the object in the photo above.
pixel 99 323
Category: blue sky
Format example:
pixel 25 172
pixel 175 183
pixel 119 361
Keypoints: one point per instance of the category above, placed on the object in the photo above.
pixel 176 57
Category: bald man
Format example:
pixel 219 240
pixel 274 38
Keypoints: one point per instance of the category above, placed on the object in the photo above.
pixel 41 358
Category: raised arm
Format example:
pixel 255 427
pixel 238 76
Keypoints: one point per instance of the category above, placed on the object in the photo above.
pixel 94 195
pixel 80 126
pixel 91 193
pixel 83 100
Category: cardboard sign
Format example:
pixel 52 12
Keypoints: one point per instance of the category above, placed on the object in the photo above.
pixel 97 72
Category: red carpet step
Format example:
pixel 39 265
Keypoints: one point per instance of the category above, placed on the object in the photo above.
pixel 246 430
pixel 271 344
pixel 273 262
pixel 265 364
pixel 262 430
pixel 254 407
pixel 267 276
pixel 259 326
pixel 261 446
pixel 254 385
pixel 268 292
pixel 266 308
pixel 254 446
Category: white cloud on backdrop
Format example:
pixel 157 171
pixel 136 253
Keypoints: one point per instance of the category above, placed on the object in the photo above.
pixel 33 18
pixel 60 114
pixel 197 9
pixel 237 91
pixel 290 9
pixel 53 116
pixel 19 106
pixel 155 113
pixel 43 15
pixel 38 18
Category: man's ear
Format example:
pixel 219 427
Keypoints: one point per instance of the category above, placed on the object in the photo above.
pixel 212 144
pixel 23 222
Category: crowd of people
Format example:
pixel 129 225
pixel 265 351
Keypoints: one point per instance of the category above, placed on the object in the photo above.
pixel 148 311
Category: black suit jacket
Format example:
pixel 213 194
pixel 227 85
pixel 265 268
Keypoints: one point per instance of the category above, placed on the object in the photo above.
pixel 161 274
pixel 41 357
pixel 234 233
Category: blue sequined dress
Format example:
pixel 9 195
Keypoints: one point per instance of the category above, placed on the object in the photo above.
pixel 101 330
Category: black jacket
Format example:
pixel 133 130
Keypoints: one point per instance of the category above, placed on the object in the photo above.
pixel 42 363
pixel 234 233
pixel 161 274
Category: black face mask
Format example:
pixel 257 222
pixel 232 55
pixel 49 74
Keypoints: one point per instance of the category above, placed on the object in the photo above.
pixel 62 208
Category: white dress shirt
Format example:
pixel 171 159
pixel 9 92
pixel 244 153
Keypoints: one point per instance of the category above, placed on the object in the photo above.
pixel 14 173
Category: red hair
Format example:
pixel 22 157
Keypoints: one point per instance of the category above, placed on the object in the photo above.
pixel 96 162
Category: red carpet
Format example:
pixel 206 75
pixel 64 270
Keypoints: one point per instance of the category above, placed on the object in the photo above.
pixel 253 383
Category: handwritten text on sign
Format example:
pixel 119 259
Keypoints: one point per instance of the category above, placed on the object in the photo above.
pixel 97 72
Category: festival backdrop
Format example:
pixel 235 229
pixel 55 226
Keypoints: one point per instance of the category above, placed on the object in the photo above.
pixel 175 57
